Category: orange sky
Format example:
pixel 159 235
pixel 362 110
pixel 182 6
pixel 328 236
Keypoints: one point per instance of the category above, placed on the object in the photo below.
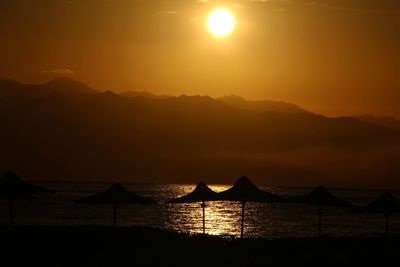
pixel 331 56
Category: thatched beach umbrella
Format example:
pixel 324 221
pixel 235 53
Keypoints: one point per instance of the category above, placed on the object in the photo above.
pixel 116 195
pixel 245 191
pixel 385 204
pixel 13 188
pixel 320 197
pixel 201 193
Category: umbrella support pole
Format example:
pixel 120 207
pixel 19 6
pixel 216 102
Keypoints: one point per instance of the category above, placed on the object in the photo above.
pixel 242 223
pixel 319 220
pixel 11 211
pixel 114 215
pixel 203 205
pixel 387 224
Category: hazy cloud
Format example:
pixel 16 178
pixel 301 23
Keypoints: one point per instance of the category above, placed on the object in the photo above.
pixel 60 71
pixel 167 12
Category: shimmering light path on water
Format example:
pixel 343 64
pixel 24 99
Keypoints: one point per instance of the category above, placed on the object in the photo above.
pixel 222 218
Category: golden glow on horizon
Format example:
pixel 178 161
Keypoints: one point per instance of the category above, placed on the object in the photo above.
pixel 221 22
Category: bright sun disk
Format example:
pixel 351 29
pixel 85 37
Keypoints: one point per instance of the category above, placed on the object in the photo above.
pixel 220 22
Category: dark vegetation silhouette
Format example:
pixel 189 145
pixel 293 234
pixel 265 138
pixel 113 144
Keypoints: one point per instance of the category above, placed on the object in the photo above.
pixel 56 130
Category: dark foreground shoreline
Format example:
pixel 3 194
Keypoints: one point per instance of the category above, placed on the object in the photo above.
pixel 104 246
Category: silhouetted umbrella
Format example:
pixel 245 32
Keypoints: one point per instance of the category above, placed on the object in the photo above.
pixel 13 188
pixel 245 191
pixel 320 196
pixel 116 195
pixel 386 204
pixel 201 193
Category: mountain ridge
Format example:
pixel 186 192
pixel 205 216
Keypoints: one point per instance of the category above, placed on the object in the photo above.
pixel 261 105
pixel 108 137
pixel 385 121
pixel 69 86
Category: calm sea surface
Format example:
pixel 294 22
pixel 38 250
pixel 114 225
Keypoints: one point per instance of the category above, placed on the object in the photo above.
pixel 222 218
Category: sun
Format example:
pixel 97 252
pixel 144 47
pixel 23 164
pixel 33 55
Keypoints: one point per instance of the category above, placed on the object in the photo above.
pixel 221 22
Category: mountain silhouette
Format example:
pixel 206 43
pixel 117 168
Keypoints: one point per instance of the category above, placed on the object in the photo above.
pixel 261 105
pixel 13 93
pixel 235 102
pixel 142 94
pixel 387 121
pixel 104 136
pixel 66 85
pixel 8 83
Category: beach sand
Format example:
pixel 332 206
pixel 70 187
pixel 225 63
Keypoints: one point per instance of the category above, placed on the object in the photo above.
pixel 105 246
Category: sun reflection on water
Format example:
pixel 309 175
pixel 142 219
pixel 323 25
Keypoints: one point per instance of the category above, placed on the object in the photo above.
pixel 222 218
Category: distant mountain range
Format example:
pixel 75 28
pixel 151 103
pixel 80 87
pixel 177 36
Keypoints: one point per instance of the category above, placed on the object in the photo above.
pixel 143 94
pixel 65 130
pixel 236 102
pixel 261 105
pixel 12 92
pixel 387 121
pixel 62 85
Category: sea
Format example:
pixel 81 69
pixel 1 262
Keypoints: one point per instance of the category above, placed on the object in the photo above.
pixel 270 221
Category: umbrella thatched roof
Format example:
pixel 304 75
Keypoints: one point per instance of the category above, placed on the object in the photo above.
pixel 12 187
pixel 385 203
pixel 116 194
pixel 201 193
pixel 245 191
pixel 320 196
